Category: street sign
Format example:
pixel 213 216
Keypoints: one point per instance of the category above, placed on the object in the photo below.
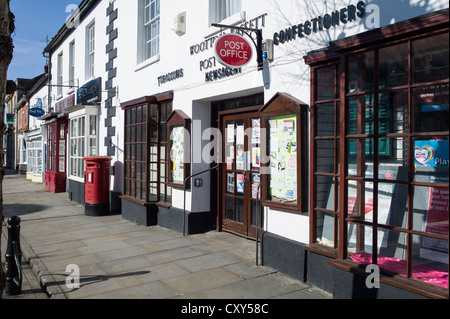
pixel 36 112
pixel 233 51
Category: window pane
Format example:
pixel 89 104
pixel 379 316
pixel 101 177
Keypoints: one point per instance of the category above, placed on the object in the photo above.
pixel 325 156
pixel 360 240
pixel 361 72
pixel 394 68
pixel 325 229
pixel 431 108
pixel 325 119
pixel 431 59
pixel 430 260
pixel 326 84
pixel 431 159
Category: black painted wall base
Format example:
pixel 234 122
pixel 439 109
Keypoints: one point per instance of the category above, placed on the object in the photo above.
pixel 171 218
pixel 291 258
pixel 142 215
pixel 194 223
pixel 75 191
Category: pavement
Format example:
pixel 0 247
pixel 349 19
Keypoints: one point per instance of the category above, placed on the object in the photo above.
pixel 119 259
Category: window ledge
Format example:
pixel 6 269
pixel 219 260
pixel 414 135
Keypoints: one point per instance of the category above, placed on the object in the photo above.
pixel 147 63
pixel 394 280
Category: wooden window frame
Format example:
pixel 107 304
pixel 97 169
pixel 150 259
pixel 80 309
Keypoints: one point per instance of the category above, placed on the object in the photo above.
pixel 179 119
pixel 338 53
pixel 283 104
pixel 129 193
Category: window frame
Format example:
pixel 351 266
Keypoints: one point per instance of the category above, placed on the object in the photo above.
pixel 144 54
pixel 86 115
pixel 282 105
pixel 339 54
pixel 90 51
pixel 147 178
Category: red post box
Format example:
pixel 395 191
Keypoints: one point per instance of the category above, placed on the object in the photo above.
pixel 96 195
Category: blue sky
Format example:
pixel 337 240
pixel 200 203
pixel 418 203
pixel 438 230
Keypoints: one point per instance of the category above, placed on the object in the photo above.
pixel 35 20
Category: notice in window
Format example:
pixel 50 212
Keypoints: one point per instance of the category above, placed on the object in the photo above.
pixel 283 160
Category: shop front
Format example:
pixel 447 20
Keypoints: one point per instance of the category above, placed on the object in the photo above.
pixel 379 161
pixel 56 128
pixel 83 137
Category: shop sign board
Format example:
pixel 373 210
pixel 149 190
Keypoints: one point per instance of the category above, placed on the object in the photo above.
pixel 233 50
pixel 91 92
pixel 36 112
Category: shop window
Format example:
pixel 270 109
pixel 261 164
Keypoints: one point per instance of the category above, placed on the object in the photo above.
pixel 284 159
pixel 56 147
pixel 146 161
pixel 34 155
pixel 380 174
pixel 178 149
pixel 83 142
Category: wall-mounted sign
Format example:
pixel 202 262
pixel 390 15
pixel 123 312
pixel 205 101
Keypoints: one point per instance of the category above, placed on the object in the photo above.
pixel 9 118
pixel 172 76
pixel 36 112
pixel 233 50
pixel 91 92
pixel 321 23
pixel 64 104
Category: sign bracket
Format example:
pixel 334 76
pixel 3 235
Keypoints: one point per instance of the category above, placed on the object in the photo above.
pixel 248 32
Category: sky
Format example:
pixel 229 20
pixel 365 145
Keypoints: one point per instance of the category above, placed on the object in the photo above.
pixel 35 21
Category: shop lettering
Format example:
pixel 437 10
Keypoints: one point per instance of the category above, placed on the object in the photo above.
pixel 207 64
pixel 344 15
pixel 172 76
pixel 221 74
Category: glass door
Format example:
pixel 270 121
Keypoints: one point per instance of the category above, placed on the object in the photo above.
pixel 241 174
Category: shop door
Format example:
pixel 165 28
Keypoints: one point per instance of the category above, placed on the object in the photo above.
pixel 241 174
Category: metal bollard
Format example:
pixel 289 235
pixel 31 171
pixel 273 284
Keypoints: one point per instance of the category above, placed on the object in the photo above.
pixel 13 258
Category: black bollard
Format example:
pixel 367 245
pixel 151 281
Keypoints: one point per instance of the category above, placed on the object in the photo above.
pixel 13 258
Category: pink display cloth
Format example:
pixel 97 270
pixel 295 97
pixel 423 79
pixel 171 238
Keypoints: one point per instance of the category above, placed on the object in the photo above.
pixel 398 266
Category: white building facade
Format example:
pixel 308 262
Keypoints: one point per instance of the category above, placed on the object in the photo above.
pixel 281 147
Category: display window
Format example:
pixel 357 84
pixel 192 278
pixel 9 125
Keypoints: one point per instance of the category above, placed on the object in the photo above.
pixel 380 155
pixel 283 155
pixel 34 157
pixel 179 127
pixel 83 142
pixel 146 161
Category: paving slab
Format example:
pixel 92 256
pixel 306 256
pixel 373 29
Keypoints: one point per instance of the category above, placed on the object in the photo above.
pixel 118 259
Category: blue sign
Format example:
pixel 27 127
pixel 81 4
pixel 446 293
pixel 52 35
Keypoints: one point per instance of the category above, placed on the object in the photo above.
pixel 91 92
pixel 36 112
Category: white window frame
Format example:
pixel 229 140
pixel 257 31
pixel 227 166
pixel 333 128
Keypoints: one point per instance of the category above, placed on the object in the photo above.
pixel 59 76
pixel 149 30
pixel 83 140
pixel 72 65
pixel 35 157
pixel 90 50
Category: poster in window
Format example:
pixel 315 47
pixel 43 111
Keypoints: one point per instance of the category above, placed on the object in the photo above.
pixel 240 183
pixel 256 190
pixel 177 154
pixel 432 153
pixel 256 131
pixel 283 159
pixel 230 183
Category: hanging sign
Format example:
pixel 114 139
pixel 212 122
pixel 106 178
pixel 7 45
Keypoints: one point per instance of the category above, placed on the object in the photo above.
pixel 233 50
pixel 36 112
